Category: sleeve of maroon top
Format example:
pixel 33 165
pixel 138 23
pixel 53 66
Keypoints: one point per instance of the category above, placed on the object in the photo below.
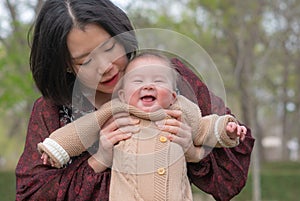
pixel 35 181
pixel 223 172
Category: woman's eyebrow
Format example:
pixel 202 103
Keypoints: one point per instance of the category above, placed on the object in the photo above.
pixel 81 56
pixel 86 54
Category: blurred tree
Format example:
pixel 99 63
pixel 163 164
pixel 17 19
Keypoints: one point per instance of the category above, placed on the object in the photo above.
pixel 258 43
pixel 17 90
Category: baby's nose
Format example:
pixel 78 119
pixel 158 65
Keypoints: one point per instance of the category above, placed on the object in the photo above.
pixel 148 86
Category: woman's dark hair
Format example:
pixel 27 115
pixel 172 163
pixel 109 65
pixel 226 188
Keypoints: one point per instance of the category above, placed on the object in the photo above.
pixel 50 57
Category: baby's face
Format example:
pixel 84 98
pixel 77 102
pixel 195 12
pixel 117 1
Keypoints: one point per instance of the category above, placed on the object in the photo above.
pixel 148 84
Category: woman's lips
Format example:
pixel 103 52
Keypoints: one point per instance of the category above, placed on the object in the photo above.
pixel 111 82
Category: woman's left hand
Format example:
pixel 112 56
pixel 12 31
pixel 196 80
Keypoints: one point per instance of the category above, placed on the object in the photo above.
pixel 180 133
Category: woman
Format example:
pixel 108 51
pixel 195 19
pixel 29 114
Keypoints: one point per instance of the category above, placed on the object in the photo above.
pixel 65 34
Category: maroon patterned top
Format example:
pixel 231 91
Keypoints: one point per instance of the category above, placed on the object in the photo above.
pixel 222 173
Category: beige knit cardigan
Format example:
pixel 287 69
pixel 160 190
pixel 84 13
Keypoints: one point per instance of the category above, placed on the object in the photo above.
pixel 147 166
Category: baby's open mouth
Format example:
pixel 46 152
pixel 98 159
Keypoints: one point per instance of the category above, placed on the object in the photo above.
pixel 148 98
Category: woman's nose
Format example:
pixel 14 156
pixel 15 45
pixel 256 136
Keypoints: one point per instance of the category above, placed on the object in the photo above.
pixel 104 69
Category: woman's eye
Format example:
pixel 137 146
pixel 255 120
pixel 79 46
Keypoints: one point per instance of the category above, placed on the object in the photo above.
pixel 158 81
pixel 111 47
pixel 86 62
pixel 137 81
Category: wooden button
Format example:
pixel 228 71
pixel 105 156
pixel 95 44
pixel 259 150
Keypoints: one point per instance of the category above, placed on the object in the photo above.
pixel 163 139
pixel 161 171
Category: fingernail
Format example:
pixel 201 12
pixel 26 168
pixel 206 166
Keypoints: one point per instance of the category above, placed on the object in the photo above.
pixel 159 123
pixel 137 129
pixel 136 121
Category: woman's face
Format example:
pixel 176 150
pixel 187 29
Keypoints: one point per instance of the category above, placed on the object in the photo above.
pixel 99 59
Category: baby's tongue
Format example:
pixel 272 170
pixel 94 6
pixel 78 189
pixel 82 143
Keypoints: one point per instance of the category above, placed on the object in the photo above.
pixel 148 98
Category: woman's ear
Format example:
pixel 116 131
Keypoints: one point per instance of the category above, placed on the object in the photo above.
pixel 70 70
pixel 121 95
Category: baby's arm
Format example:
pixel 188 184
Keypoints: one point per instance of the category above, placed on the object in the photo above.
pixel 70 140
pixel 217 131
pixel 75 137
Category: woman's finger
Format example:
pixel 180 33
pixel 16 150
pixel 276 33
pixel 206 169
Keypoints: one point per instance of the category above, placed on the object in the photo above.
pixel 122 133
pixel 176 114
pixel 116 116
pixel 121 122
pixel 108 141
pixel 185 143
pixel 171 122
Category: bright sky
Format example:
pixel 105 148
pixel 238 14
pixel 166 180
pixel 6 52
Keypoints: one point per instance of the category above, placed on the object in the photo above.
pixel 27 14
pixel 121 3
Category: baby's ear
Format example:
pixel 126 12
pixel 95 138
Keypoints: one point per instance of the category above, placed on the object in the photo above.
pixel 174 97
pixel 121 95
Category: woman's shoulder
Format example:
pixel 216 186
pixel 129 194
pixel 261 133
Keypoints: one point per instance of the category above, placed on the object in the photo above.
pixel 44 108
pixel 45 113
pixel 41 104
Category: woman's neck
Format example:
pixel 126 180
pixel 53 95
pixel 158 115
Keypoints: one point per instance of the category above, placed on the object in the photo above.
pixel 101 98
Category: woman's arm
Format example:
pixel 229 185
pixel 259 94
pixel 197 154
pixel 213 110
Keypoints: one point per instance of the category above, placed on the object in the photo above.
pixel 35 181
pixel 223 172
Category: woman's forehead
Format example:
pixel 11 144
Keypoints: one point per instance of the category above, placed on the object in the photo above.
pixel 83 41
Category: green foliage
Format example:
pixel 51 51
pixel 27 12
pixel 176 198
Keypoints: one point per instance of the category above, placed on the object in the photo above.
pixel 16 81
pixel 17 91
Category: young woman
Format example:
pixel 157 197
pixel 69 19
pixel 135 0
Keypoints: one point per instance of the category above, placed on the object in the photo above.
pixel 65 34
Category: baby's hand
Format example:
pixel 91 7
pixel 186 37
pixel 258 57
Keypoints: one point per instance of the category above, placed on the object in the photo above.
pixel 234 130
pixel 47 160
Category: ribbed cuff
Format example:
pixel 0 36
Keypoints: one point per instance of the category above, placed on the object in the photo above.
pixel 57 151
pixel 220 132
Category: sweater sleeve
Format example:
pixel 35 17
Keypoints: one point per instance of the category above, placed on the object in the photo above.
pixel 35 181
pixel 209 130
pixel 223 172
pixel 71 139
pixel 76 137
pixel 212 131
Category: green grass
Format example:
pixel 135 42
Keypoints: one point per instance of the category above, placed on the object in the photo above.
pixel 279 182
pixel 7 185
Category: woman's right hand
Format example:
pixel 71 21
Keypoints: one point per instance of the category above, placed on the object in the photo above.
pixel 120 127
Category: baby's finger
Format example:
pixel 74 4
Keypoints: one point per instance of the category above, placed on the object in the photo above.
pixel 231 126
pixel 44 158
pixel 238 130
pixel 243 133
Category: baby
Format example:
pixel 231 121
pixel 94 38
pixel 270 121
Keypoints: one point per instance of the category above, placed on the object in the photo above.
pixel 151 155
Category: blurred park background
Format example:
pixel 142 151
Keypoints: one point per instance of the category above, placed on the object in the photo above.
pixel 255 45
